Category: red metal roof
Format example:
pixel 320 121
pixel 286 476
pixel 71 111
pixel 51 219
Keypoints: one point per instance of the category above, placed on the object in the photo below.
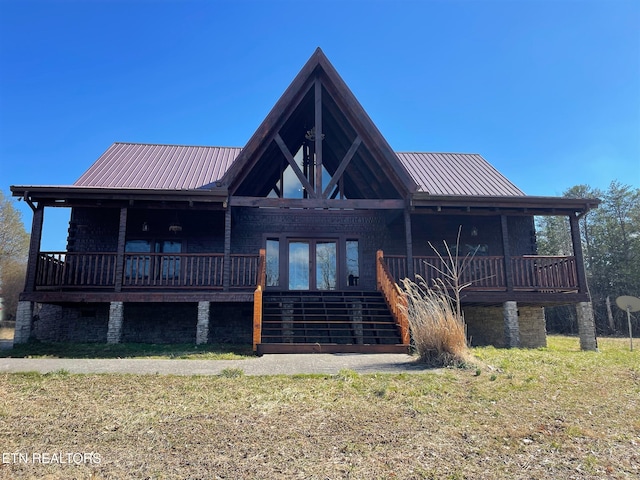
pixel 176 167
pixel 456 174
pixel 173 167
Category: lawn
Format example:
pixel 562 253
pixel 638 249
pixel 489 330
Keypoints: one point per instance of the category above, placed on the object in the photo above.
pixel 189 351
pixel 535 414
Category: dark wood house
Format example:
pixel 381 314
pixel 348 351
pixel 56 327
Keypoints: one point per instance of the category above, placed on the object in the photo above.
pixel 293 242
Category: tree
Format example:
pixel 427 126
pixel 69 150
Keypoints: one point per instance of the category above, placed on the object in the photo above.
pixel 614 252
pixel 610 237
pixel 14 247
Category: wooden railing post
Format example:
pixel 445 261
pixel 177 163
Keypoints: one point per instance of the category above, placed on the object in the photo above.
pixel 257 299
pixel 257 317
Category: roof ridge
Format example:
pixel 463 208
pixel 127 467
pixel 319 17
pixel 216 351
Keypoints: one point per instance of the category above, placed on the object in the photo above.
pixel 440 153
pixel 155 144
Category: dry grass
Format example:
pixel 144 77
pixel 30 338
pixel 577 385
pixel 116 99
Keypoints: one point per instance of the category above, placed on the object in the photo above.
pixel 534 414
pixel 186 351
pixel 437 332
pixel 6 333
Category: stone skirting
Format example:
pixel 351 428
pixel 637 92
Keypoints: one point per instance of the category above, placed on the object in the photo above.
pixel 189 322
pixel 486 326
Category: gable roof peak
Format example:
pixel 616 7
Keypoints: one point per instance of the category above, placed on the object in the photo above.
pixel 318 70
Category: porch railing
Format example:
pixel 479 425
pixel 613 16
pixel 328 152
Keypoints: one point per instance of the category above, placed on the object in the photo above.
pixel 533 272
pixel 145 270
pixel 487 273
pixel 63 269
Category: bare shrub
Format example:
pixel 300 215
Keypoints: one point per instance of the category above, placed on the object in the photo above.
pixel 12 274
pixel 438 332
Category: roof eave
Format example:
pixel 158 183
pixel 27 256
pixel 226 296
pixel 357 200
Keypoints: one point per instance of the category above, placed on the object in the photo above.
pixel 526 204
pixel 43 193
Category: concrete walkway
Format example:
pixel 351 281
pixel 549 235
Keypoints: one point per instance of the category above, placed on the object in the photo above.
pixel 282 364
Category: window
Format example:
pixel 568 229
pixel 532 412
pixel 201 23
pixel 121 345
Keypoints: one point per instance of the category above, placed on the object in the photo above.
pixel 273 262
pixel 299 265
pixel 140 263
pixel 353 264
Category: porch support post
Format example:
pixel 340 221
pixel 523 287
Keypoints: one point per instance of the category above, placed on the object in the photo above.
pixel 586 326
pixel 226 268
pixel 122 237
pixel 34 249
pixel 116 318
pixel 577 253
pixel 511 325
pixel 24 322
pixel 508 267
pixel 409 238
pixel 202 329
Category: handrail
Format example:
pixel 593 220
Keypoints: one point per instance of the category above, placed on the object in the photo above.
pixel 395 298
pixel 257 299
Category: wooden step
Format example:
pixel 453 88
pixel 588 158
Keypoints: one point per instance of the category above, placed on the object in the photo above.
pixel 337 319
pixel 329 348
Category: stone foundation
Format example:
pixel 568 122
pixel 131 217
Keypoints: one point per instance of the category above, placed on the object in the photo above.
pixel 511 324
pixel 116 317
pixel 231 323
pixel 160 322
pixel 202 329
pixel 486 326
pixel 586 326
pixel 24 323
pixel 202 322
pixel 71 323
pixel 533 331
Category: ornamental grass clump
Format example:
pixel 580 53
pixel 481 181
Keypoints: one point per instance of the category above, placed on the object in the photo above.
pixel 438 332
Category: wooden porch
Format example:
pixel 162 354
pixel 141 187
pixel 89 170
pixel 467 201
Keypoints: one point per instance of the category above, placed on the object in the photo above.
pixel 284 321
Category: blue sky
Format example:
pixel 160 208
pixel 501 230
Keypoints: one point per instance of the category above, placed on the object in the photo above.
pixel 547 91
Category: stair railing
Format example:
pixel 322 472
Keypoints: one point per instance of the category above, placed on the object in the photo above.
pixel 394 296
pixel 257 299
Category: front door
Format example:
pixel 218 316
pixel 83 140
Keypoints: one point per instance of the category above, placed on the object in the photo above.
pixel 313 264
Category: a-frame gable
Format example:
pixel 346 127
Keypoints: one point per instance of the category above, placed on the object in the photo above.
pixel 319 135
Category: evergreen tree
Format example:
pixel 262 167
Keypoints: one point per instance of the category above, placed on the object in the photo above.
pixel 610 237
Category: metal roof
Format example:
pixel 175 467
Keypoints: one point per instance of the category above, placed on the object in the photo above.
pixel 170 167
pixel 177 167
pixel 456 174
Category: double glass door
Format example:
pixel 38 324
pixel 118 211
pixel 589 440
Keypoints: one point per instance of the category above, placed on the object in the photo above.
pixel 296 263
pixel 313 264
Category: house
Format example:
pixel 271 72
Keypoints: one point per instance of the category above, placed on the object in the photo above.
pixel 294 242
